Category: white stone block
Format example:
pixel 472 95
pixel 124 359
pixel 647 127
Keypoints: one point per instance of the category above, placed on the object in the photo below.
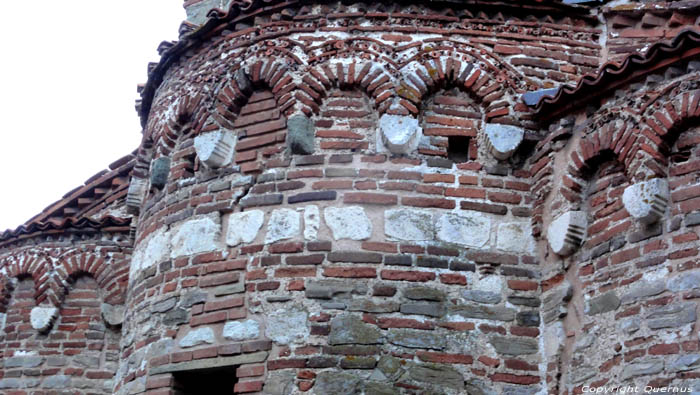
pixel 348 223
pixel 42 318
pixel 215 148
pixel 244 227
pixel 112 314
pixel 196 235
pixel 646 201
pixel 136 193
pixel 503 140
pixel 195 337
pixel 155 248
pixel 467 228
pixel 409 224
pixel 312 221
pixel 400 134
pixel 566 233
pixel 287 326
pixel 515 237
pixel 284 224
pixel 2 321
pixel 241 330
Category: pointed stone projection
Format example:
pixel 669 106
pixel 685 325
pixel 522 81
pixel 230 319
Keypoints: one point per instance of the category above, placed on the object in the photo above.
pixel 135 194
pixel 215 148
pixel 503 140
pixel 160 169
pixel 646 201
pixel 400 134
pixel 42 318
pixel 112 314
pixel 300 134
pixel 566 233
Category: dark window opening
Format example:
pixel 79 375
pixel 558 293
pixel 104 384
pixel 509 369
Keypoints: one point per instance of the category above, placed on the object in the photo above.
pixel 215 381
pixel 458 148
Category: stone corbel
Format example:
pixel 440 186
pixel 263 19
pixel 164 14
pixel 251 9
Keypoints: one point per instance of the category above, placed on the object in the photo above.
pixel 42 318
pixel 503 140
pixel 112 314
pixel 215 149
pixel 646 201
pixel 400 134
pixel 566 233
pixel 300 134
pixel 160 168
pixel 135 194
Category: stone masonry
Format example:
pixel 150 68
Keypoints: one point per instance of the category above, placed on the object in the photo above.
pixel 474 197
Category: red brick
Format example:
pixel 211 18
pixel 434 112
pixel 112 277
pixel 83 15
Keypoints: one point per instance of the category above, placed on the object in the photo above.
pixel 286 364
pixel 379 246
pixel 388 322
pixel 439 357
pixel 295 272
pixel 522 285
pixel 514 379
pixel 283 248
pixel 350 272
pixel 428 202
pixel 436 177
pixel 488 361
pixel 248 386
pixel 370 198
pixel 664 349
pixel 449 278
pixel 466 193
pixel 400 275
pixel 250 371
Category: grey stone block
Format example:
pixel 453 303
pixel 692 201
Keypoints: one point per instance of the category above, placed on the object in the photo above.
pixel 348 329
pixel 413 338
pixel 644 368
pixel 58 381
pixel 429 309
pixel 424 293
pixel 671 316
pixel 514 345
pixel 300 134
pixel 334 382
pixel 497 313
pixel 160 169
pixel 528 318
pixel 642 290
pixel 482 296
pixel 371 306
pixel 442 375
pixel 23 361
pixel 603 303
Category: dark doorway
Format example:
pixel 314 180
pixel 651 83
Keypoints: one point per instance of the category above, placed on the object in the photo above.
pixel 215 381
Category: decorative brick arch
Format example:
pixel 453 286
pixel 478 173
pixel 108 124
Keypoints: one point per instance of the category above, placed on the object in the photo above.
pixel 368 76
pixel 487 83
pixel 36 264
pixel 111 280
pixel 269 73
pixel 640 145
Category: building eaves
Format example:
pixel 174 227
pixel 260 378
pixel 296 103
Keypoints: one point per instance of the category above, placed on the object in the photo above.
pixel 613 75
pixel 218 20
